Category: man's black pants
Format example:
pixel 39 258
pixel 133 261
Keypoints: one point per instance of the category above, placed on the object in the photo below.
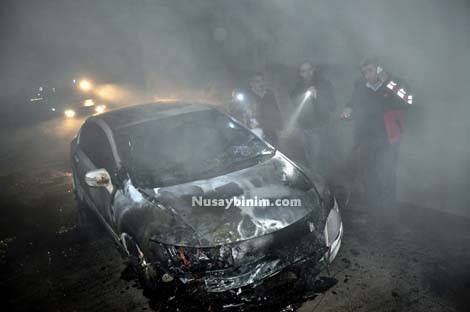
pixel 379 167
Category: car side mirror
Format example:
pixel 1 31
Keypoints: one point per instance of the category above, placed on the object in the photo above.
pixel 99 178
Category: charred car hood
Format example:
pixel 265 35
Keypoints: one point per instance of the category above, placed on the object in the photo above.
pixel 192 219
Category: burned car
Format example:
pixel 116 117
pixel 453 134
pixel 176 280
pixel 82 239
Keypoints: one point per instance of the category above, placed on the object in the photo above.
pixel 162 178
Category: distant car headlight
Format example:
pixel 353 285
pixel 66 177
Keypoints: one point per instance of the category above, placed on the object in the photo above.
pixel 88 103
pixel 333 232
pixel 69 113
pixel 100 108
pixel 84 85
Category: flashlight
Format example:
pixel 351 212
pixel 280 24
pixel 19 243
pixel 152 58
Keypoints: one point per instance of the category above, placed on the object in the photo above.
pixel 308 94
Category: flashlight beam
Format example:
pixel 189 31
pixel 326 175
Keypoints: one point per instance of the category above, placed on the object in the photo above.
pixel 296 114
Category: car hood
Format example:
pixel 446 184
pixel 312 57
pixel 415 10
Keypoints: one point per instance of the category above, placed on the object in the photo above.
pixel 204 213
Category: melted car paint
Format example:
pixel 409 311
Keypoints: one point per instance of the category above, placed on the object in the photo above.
pixel 214 225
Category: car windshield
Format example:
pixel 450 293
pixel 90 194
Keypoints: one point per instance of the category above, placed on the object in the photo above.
pixel 188 147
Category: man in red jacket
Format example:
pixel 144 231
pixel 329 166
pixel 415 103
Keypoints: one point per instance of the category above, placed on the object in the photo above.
pixel 378 108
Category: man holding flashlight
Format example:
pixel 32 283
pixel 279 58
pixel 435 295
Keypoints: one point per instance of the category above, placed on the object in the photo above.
pixel 266 110
pixel 257 109
pixel 314 104
pixel 378 108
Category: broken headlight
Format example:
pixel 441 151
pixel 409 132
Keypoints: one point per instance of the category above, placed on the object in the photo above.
pixel 252 249
pixel 333 232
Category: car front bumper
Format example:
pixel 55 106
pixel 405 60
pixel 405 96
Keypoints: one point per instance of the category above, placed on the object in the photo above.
pixel 256 274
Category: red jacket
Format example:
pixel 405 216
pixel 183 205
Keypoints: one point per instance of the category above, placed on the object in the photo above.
pixel 379 115
pixel 395 112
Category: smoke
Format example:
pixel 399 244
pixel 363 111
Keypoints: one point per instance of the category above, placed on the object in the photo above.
pixel 202 49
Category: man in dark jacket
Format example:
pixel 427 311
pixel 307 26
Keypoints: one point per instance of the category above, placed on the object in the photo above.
pixel 378 108
pixel 314 103
pixel 267 111
pixel 258 109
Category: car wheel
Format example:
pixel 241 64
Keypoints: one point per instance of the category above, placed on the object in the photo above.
pixel 83 211
pixel 83 215
pixel 88 225
pixel 148 275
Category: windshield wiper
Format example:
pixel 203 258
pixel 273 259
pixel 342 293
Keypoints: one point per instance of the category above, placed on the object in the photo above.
pixel 261 156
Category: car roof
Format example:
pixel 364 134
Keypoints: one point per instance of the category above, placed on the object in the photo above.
pixel 135 114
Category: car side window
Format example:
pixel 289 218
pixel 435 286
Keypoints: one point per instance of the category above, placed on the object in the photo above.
pixel 94 143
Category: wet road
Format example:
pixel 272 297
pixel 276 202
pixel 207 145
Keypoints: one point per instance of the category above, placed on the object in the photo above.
pixel 417 262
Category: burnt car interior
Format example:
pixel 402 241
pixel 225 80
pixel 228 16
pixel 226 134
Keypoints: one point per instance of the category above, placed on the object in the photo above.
pixel 209 144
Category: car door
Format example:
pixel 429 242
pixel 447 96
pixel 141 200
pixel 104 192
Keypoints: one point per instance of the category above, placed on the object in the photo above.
pixel 94 152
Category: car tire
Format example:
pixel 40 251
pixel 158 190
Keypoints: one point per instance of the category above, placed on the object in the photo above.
pixel 83 211
pixel 88 225
pixel 146 272
pixel 83 215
